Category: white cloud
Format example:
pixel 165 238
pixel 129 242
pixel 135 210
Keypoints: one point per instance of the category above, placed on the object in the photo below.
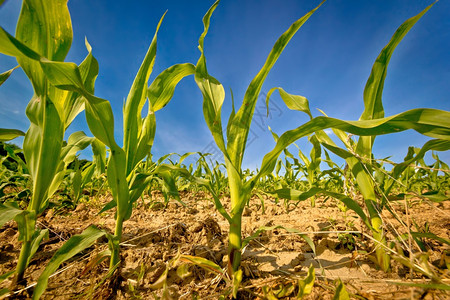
pixel 329 131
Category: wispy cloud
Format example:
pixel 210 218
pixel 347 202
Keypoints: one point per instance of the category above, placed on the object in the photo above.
pixel 329 131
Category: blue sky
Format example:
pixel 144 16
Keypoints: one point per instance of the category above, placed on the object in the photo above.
pixel 328 61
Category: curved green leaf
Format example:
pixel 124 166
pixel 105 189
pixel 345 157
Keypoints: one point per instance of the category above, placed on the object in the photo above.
pixel 203 263
pixel 5 75
pixel 211 89
pixel 132 112
pixel 7 213
pixel 293 102
pixel 38 236
pixel 45 27
pixel 10 134
pixel 162 88
pixel 430 122
pixel 373 106
pixel 240 126
pixel 296 195
pixel 73 246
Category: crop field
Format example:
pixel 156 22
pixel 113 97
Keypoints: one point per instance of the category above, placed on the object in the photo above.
pixel 331 222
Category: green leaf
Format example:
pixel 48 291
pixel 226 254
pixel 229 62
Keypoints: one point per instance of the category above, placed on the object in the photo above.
pixel 12 47
pixel 305 285
pixel 77 182
pixel 428 235
pixel 73 246
pixel 10 134
pixel 373 106
pixel 99 151
pixel 38 236
pixel 240 126
pixel 5 75
pixel 341 292
pixel 293 102
pixel 162 88
pixel 203 263
pixel 77 141
pixel 430 122
pixel 42 147
pixel 292 194
pixel 237 279
pixel 45 27
pixel 8 212
pixel 211 89
pixel 5 290
pixel 26 223
pixel 132 112
pixel 6 275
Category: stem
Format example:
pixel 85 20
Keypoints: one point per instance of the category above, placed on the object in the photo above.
pixel 366 186
pixel 22 263
pixel 115 251
pixel 238 198
pixel 381 254
pixel 234 244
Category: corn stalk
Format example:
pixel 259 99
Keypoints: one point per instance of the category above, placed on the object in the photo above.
pixel 236 134
pixel 371 124
pixel 44 32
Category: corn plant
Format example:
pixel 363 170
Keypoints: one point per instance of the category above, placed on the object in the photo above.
pixel 403 173
pixel 430 122
pixel 422 120
pixel 237 131
pixel 67 79
pixel 309 167
pixel 14 179
pixel 44 32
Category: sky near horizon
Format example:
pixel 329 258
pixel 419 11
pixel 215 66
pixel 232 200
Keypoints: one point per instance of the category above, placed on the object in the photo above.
pixel 328 61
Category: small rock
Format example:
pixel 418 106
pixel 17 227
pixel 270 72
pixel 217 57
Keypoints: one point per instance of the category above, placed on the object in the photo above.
pixel 9 232
pixel 192 211
pixel 80 207
pixel 173 206
pixel 247 212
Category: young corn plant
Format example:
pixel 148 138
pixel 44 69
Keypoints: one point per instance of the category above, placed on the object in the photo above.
pixel 430 122
pixel 49 74
pixel 310 168
pixel 399 179
pixel 43 33
pixel 233 147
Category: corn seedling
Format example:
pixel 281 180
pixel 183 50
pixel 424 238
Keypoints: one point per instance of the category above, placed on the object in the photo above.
pixel 50 111
pixel 433 123
pixel 430 122
pixel 61 91
pixel 237 132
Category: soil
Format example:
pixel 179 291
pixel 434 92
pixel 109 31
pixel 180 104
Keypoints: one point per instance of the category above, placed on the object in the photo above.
pixel 156 234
